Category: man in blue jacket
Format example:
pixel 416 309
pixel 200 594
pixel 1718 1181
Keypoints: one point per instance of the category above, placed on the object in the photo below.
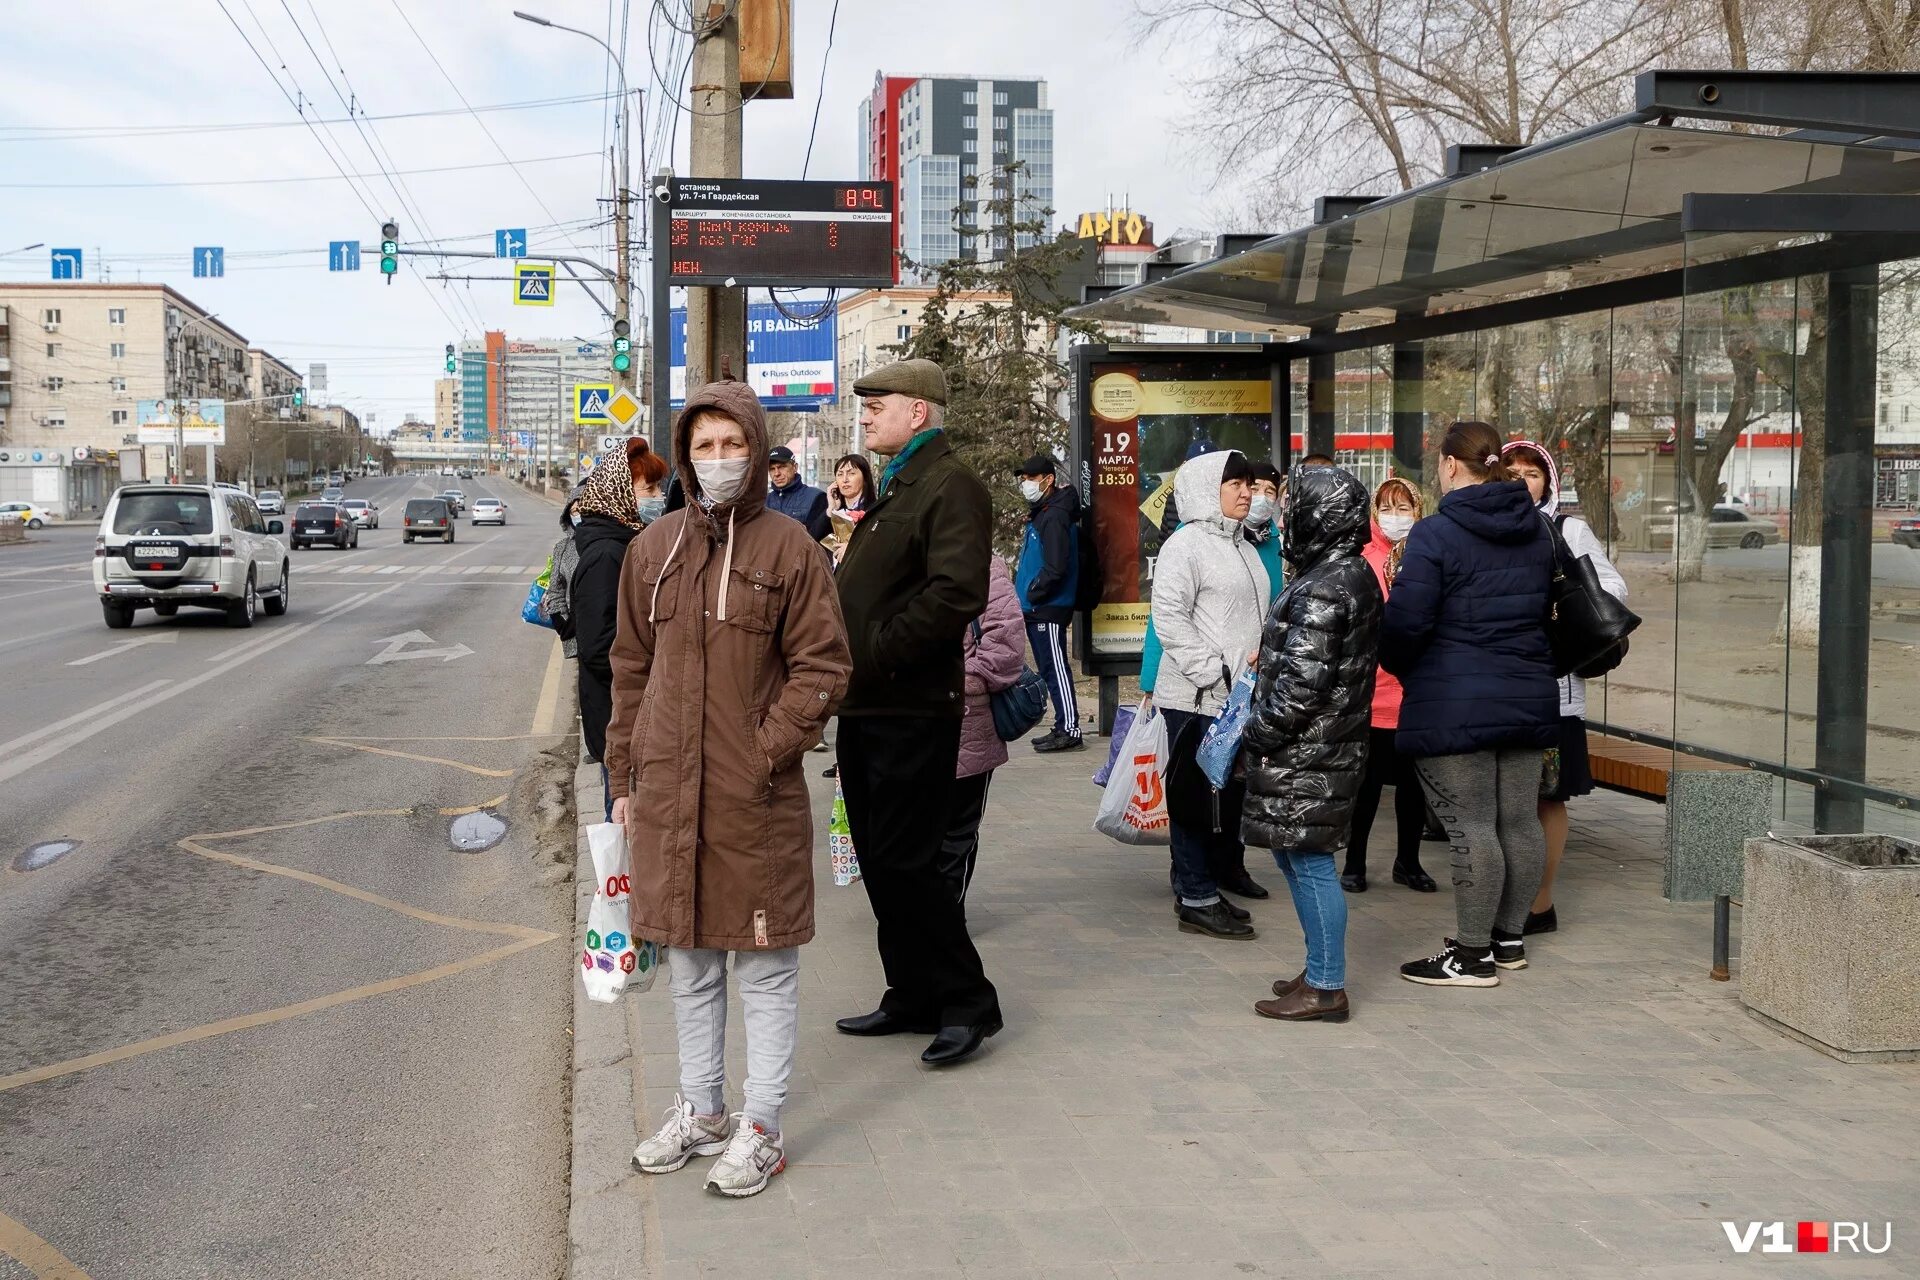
pixel 790 496
pixel 1047 579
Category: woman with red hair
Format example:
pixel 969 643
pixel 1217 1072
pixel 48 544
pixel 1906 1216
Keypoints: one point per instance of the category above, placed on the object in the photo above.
pixel 620 497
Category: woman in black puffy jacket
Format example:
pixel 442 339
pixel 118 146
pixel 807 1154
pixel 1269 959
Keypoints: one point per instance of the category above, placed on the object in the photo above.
pixel 1305 748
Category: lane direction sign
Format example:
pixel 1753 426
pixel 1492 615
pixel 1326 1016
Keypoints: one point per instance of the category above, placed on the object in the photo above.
pixel 510 242
pixel 67 264
pixel 343 255
pixel 397 651
pixel 209 260
pixel 533 284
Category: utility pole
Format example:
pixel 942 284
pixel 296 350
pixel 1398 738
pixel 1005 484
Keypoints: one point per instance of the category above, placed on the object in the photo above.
pixel 716 316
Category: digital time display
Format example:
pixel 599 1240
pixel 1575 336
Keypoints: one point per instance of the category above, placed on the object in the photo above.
pixel 747 232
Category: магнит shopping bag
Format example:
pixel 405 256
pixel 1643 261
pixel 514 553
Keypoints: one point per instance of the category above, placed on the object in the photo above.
pixel 1133 808
pixel 1123 720
pixel 846 863
pixel 1220 746
pixel 612 961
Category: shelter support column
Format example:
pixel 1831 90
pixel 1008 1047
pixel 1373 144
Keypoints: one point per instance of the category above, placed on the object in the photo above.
pixel 1846 543
pixel 1409 409
pixel 1280 416
pixel 1320 369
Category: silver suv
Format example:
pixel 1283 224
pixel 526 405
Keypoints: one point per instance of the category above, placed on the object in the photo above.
pixel 164 545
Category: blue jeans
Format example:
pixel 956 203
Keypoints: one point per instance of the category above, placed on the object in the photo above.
pixel 1322 908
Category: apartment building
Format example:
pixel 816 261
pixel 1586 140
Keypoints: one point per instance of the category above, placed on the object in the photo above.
pixel 446 406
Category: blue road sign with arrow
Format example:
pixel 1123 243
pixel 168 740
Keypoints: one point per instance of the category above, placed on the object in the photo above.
pixel 343 255
pixel 510 242
pixel 209 260
pixel 66 264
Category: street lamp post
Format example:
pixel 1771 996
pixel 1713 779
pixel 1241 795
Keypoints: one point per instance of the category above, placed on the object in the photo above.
pixel 622 285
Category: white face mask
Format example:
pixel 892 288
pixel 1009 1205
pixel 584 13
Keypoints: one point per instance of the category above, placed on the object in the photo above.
pixel 1030 490
pixel 721 479
pixel 1260 511
pixel 1396 526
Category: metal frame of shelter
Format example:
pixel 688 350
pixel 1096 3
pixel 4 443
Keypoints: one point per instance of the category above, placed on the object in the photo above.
pixel 1634 210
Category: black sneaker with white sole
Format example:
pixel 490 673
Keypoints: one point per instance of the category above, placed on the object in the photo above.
pixel 1457 966
pixel 1509 952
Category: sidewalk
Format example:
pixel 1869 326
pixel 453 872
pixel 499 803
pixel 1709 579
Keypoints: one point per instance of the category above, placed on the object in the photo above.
pixel 1597 1115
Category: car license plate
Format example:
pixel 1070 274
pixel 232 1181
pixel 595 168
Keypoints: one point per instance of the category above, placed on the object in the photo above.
pixel 157 553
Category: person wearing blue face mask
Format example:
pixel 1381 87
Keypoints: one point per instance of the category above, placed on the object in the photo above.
pixel 1262 527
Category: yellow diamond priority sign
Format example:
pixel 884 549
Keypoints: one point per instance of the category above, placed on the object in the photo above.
pixel 622 408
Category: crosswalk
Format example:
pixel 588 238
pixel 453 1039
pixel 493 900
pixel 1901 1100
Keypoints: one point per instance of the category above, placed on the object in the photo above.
pixel 350 569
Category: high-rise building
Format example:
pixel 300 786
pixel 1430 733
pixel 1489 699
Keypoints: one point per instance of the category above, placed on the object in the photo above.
pixel 446 405
pixel 539 379
pixel 942 140
pixel 482 388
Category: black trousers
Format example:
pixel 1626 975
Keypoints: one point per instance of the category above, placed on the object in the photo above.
pixel 897 775
pixel 960 847
pixel 1387 767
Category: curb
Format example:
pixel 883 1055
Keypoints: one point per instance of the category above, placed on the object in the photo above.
pixel 606 1236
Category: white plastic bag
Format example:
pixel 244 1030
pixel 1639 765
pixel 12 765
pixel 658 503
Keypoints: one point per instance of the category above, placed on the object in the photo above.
pixel 1133 808
pixel 612 961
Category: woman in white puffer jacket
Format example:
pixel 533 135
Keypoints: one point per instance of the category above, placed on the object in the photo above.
pixel 1565 773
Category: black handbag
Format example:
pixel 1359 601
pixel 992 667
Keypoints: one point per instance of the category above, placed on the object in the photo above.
pixel 1019 706
pixel 1587 627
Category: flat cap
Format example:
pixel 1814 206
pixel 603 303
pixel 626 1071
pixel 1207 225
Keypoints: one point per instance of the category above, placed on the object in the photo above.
pixel 921 379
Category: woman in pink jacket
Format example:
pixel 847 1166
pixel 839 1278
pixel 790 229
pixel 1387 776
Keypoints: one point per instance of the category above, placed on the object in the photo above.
pixel 996 648
pixel 1396 505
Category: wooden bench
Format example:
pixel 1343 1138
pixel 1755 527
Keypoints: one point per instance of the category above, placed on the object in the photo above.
pixel 1722 805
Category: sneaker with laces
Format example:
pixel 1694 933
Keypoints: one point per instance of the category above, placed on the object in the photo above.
pixel 1509 951
pixel 749 1162
pixel 1457 966
pixel 683 1136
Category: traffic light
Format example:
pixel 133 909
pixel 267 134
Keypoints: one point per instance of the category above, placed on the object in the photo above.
pixel 449 357
pixel 622 346
pixel 389 249
pixel 299 397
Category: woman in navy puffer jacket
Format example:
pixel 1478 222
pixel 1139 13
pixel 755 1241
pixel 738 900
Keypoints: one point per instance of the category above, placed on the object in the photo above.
pixel 1465 632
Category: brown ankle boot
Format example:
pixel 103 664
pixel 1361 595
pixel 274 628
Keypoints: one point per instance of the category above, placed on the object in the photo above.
pixel 1306 1004
pixel 1286 986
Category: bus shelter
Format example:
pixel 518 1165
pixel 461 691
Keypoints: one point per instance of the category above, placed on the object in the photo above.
pixel 1708 309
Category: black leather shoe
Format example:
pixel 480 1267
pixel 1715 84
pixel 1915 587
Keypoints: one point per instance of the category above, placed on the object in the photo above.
pixel 1215 921
pixel 1057 741
pixel 1353 882
pixel 1245 886
pixel 881 1023
pixel 831 771
pixel 957 1044
pixel 1547 921
pixel 1237 912
pixel 1415 878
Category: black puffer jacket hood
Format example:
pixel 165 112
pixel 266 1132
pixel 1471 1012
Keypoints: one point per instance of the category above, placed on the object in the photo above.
pixel 1306 740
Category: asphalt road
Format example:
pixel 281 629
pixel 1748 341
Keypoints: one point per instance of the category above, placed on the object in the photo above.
pixel 327 1042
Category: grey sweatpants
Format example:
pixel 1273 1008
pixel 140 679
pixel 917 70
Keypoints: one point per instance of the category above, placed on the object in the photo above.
pixel 770 1005
pixel 1489 803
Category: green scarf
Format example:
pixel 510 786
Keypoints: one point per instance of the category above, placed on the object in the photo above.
pixel 899 461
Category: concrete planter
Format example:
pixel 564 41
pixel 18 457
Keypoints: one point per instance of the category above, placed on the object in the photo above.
pixel 1830 943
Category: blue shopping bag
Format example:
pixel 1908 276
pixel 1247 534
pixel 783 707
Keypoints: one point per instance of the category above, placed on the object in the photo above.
pixel 530 609
pixel 1122 722
pixel 1221 744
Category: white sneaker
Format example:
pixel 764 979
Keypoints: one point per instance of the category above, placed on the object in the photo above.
pixel 683 1136
pixel 749 1162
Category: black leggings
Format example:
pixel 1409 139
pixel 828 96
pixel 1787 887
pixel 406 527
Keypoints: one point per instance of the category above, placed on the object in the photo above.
pixel 1387 767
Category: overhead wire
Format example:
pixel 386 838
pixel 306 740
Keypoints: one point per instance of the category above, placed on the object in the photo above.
pixel 316 177
pixel 87 133
pixel 820 93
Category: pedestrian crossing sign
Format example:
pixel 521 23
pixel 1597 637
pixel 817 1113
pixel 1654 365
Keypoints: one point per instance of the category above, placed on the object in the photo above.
pixel 533 284
pixel 590 403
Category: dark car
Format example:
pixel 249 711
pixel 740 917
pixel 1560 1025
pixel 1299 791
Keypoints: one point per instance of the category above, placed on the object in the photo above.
pixel 323 522
pixel 455 500
pixel 427 518
pixel 1906 531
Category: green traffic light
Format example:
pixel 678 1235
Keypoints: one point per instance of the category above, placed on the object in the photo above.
pixel 622 362
pixel 389 265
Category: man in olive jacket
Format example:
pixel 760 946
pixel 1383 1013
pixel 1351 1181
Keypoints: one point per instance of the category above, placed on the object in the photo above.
pixel 913 578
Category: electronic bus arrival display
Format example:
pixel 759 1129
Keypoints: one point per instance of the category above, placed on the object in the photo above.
pixel 739 231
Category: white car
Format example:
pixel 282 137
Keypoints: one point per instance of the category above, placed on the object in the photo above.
pixel 164 545
pixel 364 513
pixel 30 514
pixel 489 511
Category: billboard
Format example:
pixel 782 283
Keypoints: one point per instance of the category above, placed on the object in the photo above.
pixel 789 365
pixel 200 421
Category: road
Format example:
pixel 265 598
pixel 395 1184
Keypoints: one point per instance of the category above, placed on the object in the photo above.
pixel 264 1018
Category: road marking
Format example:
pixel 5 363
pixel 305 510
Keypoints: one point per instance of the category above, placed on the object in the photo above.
pixel 543 710
pixel 326 614
pixel 397 651
pixel 46 635
pixel 35 1254
pixel 43 591
pixel 14 762
pixel 158 637
pixel 9 749
pixel 352 745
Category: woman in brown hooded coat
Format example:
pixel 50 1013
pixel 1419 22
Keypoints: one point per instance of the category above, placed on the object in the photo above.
pixel 730 657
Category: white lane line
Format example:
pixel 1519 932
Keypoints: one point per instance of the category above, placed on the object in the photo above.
pixel 157 637
pixel 8 749
pixel 45 635
pixel 22 595
pixel 245 646
pixel 13 763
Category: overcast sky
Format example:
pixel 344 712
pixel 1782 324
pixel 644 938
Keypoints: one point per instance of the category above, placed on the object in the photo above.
pixel 113 66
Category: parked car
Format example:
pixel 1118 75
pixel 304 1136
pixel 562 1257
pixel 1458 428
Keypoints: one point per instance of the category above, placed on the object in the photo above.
pixel 454 499
pixel 427 518
pixel 272 502
pixel 1906 532
pixel 161 546
pixel 1727 526
pixel 30 514
pixel 324 522
pixel 365 514
pixel 489 511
